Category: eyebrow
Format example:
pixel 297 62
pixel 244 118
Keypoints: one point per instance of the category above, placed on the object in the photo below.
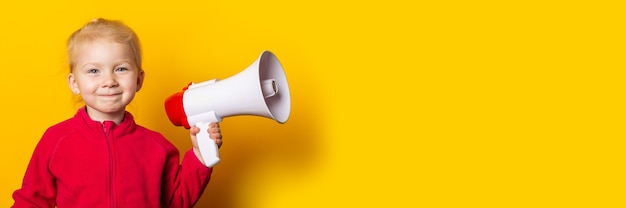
pixel 119 62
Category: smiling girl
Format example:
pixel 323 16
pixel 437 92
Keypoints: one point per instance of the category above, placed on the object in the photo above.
pixel 100 157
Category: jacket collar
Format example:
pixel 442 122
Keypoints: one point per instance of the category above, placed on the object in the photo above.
pixel 126 126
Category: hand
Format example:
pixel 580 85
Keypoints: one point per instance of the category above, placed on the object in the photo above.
pixel 214 133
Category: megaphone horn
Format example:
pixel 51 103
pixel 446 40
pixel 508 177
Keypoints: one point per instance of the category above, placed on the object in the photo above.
pixel 259 90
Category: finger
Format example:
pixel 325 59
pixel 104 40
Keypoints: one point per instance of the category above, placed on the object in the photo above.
pixel 218 142
pixel 215 136
pixel 194 130
pixel 214 128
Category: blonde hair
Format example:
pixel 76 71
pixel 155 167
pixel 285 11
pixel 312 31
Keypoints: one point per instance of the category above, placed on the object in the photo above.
pixel 98 29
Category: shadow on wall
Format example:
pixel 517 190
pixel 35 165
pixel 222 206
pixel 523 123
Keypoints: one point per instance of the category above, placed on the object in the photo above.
pixel 292 146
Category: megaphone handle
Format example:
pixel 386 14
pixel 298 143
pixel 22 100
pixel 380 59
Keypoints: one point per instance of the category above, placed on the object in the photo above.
pixel 208 148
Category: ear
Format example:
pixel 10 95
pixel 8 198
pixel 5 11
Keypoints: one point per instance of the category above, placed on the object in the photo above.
pixel 140 78
pixel 72 83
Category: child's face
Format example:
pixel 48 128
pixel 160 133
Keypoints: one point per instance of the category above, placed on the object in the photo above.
pixel 106 77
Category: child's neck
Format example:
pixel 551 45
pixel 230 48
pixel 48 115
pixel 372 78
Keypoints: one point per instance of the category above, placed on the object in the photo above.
pixel 116 117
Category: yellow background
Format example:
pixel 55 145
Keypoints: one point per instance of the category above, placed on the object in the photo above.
pixel 394 104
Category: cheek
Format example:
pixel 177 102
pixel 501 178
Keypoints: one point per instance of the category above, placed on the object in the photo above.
pixel 130 84
pixel 86 84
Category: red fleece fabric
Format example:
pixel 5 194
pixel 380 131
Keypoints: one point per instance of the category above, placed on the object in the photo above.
pixel 84 163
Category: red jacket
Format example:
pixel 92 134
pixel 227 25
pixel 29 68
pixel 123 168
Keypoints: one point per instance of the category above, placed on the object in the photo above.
pixel 84 163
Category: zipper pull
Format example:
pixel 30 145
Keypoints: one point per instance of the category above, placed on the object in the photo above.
pixel 107 126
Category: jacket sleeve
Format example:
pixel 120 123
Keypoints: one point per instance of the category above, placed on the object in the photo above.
pixel 38 189
pixel 184 182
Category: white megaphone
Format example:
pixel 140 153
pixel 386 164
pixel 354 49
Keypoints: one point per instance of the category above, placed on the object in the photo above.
pixel 259 90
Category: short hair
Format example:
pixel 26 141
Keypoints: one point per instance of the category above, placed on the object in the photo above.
pixel 113 30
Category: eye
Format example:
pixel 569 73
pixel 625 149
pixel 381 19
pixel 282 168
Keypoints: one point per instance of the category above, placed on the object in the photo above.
pixel 93 71
pixel 121 69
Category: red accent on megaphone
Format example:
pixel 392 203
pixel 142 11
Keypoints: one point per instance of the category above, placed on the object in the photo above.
pixel 175 109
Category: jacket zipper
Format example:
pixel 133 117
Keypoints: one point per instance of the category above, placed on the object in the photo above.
pixel 107 128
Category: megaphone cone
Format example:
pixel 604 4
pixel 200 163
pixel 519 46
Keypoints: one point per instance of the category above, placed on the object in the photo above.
pixel 259 90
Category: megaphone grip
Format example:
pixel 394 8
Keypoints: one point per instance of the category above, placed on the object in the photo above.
pixel 208 148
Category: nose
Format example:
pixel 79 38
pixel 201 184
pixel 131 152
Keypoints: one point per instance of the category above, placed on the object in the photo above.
pixel 109 80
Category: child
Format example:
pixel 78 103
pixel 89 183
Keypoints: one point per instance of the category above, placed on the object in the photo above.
pixel 101 157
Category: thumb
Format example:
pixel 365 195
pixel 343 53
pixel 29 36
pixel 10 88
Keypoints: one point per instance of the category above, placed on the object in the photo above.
pixel 194 130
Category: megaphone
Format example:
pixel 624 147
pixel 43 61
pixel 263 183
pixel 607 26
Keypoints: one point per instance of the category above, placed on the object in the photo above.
pixel 259 90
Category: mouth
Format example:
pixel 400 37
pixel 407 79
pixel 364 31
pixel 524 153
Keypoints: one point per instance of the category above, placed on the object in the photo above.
pixel 111 95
